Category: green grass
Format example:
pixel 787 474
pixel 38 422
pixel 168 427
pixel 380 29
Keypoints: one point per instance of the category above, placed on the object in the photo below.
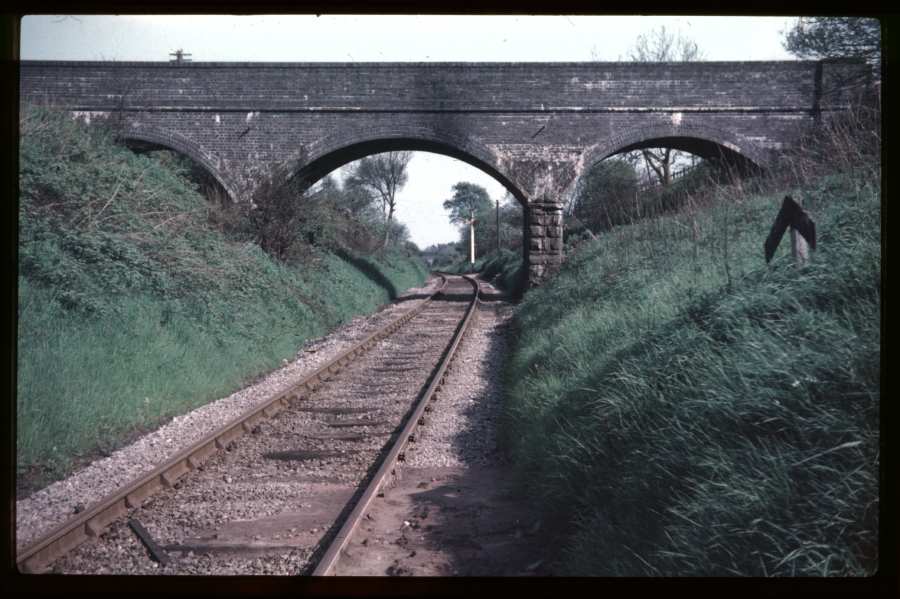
pixel 133 308
pixel 687 410
pixel 85 381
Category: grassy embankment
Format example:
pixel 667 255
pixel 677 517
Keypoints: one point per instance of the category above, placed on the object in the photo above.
pixel 134 307
pixel 683 409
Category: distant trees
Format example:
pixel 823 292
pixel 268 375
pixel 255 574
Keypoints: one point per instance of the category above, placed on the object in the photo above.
pixel 660 45
pixel 512 220
pixel 348 216
pixel 470 204
pixel 472 201
pixel 606 195
pixel 442 254
pixel 835 37
pixel 510 226
pixel 286 217
pixel 382 175
pixel 469 200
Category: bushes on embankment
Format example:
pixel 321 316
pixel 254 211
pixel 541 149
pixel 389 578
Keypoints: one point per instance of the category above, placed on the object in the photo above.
pixel 683 409
pixel 134 306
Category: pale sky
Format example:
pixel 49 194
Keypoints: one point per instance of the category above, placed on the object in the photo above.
pixel 342 38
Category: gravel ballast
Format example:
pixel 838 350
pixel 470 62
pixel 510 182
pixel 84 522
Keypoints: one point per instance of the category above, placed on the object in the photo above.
pixel 265 503
pixel 461 429
pixel 45 509
pixel 455 509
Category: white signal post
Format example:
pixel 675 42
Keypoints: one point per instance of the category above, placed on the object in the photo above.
pixel 471 223
pixel 472 240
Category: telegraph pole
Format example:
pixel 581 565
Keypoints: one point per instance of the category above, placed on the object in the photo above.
pixel 472 238
pixel 498 226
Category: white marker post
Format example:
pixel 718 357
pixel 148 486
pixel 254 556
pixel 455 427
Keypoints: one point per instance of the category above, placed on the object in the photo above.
pixel 799 246
pixel 472 239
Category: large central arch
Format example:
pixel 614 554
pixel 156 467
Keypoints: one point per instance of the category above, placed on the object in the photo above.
pixel 317 160
pixel 320 158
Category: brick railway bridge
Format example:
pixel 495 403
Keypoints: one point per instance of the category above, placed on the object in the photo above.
pixel 535 127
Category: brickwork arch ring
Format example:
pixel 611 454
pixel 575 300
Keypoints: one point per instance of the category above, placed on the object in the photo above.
pixel 320 158
pixel 182 145
pixel 705 141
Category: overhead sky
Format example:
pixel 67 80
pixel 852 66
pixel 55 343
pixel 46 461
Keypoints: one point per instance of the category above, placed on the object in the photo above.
pixel 341 38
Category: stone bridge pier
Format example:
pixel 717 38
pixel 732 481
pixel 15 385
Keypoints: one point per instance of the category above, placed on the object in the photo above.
pixel 544 240
pixel 543 176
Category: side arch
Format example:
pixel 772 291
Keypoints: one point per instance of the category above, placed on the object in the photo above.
pixel 323 156
pixel 179 143
pixel 702 140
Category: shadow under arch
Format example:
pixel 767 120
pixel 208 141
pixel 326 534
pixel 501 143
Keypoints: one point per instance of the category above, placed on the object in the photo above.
pixel 145 139
pixel 710 143
pixel 321 158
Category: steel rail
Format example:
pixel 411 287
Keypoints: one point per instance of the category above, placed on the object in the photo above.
pixel 326 565
pixel 92 522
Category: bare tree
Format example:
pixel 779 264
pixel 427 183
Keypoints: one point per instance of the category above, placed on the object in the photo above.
pixel 382 175
pixel 662 46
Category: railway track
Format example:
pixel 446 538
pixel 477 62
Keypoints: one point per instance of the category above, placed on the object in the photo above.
pixel 280 489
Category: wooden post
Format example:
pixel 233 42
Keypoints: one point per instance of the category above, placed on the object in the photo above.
pixel 498 227
pixel 799 246
pixel 803 231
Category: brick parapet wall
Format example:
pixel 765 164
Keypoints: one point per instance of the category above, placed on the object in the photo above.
pixel 430 87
